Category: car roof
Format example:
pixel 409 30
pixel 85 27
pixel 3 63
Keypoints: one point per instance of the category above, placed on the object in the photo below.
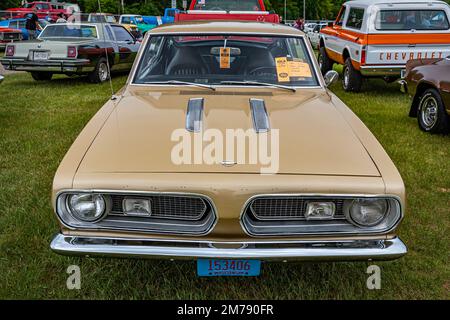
pixel 375 2
pixel 226 27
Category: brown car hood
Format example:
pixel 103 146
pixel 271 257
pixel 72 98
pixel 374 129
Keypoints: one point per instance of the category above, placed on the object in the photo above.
pixel 313 136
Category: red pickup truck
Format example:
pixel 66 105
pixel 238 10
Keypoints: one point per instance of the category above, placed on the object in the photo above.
pixel 253 10
pixel 44 9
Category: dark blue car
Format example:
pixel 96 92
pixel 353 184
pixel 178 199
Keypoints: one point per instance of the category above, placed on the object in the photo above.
pixel 19 24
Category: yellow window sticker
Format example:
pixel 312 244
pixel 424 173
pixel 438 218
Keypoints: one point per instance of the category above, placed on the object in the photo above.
pixel 282 69
pixel 225 58
pixel 299 69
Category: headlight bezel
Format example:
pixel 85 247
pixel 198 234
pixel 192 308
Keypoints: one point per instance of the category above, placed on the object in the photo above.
pixel 78 215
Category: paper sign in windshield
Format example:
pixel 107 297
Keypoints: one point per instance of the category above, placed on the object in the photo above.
pixel 282 69
pixel 299 69
pixel 225 58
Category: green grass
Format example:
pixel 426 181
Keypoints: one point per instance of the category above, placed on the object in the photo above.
pixel 38 122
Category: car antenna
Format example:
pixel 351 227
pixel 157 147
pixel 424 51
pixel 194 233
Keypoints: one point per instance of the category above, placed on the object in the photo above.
pixel 113 96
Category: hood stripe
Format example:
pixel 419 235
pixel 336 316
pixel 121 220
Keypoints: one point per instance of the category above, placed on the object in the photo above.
pixel 194 114
pixel 259 115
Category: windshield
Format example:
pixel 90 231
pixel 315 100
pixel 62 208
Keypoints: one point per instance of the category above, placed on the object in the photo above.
pixel 217 59
pixel 412 19
pixel 69 31
pixel 228 5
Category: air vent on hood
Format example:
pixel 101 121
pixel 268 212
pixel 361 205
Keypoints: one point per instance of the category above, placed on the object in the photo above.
pixel 259 115
pixel 194 114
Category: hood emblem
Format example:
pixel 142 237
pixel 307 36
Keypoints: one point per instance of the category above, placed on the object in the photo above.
pixel 228 163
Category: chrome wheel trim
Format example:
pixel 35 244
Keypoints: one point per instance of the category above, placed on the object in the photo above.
pixel 346 77
pixel 103 71
pixel 429 111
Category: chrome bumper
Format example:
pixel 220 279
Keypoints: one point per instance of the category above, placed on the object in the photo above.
pixel 382 71
pixel 62 66
pixel 263 250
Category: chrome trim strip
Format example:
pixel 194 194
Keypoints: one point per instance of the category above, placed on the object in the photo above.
pixel 260 118
pixel 295 250
pixel 331 195
pixel 194 115
pixel 127 192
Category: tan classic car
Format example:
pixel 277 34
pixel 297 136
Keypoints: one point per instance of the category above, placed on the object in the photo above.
pixel 226 146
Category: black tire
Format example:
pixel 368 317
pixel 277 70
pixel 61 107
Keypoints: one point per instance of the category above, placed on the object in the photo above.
pixel 42 76
pixel 325 63
pixel 431 113
pixel 352 79
pixel 101 72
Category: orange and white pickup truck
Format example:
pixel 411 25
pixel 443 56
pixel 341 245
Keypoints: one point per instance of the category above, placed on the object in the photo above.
pixel 376 38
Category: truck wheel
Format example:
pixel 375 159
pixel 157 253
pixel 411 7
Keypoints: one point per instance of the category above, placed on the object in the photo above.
pixel 100 73
pixel 431 113
pixel 325 63
pixel 352 78
pixel 42 76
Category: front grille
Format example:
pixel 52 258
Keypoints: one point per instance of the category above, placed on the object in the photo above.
pixel 185 214
pixel 169 207
pixel 289 208
pixel 284 215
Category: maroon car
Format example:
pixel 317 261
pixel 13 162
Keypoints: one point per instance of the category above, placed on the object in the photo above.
pixel 428 82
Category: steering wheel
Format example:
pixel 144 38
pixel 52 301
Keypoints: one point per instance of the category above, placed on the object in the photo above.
pixel 216 9
pixel 267 70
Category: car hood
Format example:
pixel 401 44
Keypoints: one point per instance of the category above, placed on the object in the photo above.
pixel 142 131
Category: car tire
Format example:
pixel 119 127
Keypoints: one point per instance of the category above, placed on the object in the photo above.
pixel 101 72
pixel 42 76
pixel 325 63
pixel 431 113
pixel 352 79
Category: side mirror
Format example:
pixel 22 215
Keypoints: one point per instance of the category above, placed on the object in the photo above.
pixel 1 79
pixel 331 77
pixel 330 24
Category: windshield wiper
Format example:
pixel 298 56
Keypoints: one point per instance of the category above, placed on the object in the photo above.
pixel 206 86
pixel 256 83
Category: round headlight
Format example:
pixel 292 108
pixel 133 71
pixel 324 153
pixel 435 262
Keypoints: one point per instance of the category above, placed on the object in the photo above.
pixel 368 212
pixel 87 207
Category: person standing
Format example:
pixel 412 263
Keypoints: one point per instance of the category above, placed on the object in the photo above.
pixel 32 24
pixel 61 18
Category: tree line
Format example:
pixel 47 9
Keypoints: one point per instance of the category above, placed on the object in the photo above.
pixel 314 9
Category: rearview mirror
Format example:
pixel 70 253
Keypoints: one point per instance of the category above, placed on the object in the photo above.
pixel 331 77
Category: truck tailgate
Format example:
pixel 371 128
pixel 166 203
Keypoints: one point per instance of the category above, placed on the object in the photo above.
pixel 193 16
pixel 397 49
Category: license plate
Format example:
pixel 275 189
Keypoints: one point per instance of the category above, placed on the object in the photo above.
pixel 39 55
pixel 222 267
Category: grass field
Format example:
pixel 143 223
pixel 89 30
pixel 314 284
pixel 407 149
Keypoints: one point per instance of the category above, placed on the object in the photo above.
pixel 38 122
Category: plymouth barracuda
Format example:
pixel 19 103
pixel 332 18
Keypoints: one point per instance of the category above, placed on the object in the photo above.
pixel 92 49
pixel 175 166
pixel 428 83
